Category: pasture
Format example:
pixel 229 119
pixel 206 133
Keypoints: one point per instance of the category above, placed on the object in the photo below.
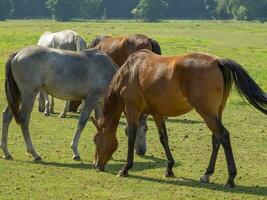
pixel 59 177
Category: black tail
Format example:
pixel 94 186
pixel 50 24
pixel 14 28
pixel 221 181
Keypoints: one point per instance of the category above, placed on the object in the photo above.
pixel 247 87
pixel 12 92
pixel 96 41
pixel 155 46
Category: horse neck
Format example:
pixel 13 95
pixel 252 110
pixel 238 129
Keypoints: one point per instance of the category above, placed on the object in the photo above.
pixel 111 113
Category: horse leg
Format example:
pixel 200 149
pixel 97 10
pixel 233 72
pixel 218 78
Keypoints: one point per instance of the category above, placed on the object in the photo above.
pixel 132 121
pixel 160 123
pixel 41 99
pixel 226 143
pixel 66 109
pixel 7 117
pixel 25 112
pixel 223 137
pixel 89 104
pixel 210 170
pixel 140 142
pixel 98 109
pixel 47 104
pixel 52 105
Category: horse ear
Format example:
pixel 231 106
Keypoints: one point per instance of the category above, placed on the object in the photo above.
pixel 96 124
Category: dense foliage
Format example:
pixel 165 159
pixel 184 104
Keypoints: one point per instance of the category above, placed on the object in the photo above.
pixel 143 9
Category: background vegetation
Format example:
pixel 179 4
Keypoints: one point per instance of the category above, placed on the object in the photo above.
pixel 151 10
pixel 59 177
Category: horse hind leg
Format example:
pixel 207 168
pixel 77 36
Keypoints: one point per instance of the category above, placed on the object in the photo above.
pixel 220 136
pixel 52 105
pixel 140 142
pixel 7 117
pixel 47 104
pixel 25 112
pixel 66 109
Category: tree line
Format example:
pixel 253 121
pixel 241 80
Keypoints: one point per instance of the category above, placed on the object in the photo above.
pixel 150 10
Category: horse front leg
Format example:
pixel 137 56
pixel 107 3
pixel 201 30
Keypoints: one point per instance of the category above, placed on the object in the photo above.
pixel 133 123
pixel 160 123
pixel 7 117
pixel 89 104
pixel 98 109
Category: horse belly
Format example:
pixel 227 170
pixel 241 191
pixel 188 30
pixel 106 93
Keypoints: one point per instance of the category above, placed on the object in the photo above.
pixel 66 91
pixel 167 102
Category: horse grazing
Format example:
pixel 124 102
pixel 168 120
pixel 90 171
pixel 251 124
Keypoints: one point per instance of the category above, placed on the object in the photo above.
pixel 172 86
pixel 67 40
pixel 63 74
pixel 119 48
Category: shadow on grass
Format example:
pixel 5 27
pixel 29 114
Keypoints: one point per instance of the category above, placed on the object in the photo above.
pixel 181 181
pixel 152 163
pixel 155 163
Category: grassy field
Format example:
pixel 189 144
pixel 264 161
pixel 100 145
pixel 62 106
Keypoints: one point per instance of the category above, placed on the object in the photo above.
pixel 59 177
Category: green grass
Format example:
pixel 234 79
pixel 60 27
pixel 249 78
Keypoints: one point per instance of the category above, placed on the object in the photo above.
pixel 58 177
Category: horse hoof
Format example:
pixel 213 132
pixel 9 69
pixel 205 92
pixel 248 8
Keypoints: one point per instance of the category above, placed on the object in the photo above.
pixel 37 159
pixel 169 174
pixel 8 157
pixel 230 185
pixel 76 158
pixel 62 116
pixel 123 173
pixel 204 179
pixel 47 114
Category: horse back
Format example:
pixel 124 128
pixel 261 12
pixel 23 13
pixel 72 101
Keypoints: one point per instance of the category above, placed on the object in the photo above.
pixel 172 86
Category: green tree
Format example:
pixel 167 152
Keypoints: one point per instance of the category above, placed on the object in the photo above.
pixel 63 10
pixel 88 8
pixel 5 9
pixel 30 9
pixel 150 10
pixel 184 9
pixel 118 8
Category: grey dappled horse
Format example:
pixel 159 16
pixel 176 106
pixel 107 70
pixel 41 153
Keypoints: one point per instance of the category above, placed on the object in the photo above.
pixel 63 74
pixel 67 40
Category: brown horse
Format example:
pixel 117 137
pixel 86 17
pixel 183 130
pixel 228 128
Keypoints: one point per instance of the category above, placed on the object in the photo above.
pixel 119 49
pixel 171 86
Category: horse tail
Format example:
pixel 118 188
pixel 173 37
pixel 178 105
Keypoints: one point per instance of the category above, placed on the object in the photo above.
pixel 246 86
pixel 155 46
pixel 80 43
pixel 96 41
pixel 12 91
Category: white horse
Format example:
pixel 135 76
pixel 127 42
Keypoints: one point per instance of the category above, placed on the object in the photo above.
pixel 63 74
pixel 67 40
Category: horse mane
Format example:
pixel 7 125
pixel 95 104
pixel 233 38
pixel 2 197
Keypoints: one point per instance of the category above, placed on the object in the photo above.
pixel 96 41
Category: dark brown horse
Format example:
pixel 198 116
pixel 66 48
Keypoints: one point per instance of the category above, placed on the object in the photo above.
pixel 119 49
pixel 171 86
